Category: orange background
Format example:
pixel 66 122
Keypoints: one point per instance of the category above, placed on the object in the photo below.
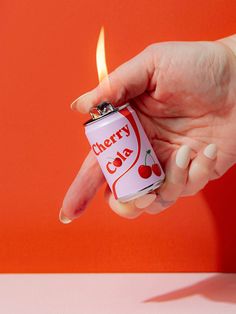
pixel 47 58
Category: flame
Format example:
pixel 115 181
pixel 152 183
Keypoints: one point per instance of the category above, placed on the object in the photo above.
pixel 101 56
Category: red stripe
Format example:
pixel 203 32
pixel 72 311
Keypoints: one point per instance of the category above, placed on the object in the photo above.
pixel 128 115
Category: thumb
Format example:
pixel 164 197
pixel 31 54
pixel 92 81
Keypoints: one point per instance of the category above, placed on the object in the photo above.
pixel 127 81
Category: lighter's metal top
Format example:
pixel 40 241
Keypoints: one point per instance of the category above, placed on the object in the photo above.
pixel 102 110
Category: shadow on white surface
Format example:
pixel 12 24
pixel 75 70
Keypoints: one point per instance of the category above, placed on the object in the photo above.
pixel 184 293
pixel 220 288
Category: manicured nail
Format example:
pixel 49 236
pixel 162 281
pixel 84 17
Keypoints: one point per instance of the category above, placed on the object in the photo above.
pixel 63 219
pixel 154 209
pixel 145 200
pixel 75 103
pixel 183 157
pixel 210 151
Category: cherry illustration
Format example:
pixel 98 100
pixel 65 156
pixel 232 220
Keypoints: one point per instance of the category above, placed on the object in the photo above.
pixel 117 162
pixel 156 169
pixel 144 171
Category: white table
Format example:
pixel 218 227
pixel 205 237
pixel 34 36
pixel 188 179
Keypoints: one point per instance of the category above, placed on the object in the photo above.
pixel 118 293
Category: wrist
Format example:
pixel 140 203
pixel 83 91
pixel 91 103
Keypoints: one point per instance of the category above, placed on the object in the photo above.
pixel 230 42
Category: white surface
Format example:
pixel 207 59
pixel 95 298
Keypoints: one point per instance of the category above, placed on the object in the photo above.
pixel 118 293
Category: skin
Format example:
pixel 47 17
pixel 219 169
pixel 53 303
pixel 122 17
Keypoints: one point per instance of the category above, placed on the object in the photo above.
pixel 184 94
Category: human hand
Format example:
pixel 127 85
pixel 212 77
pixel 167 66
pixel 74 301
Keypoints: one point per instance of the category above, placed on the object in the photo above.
pixel 184 94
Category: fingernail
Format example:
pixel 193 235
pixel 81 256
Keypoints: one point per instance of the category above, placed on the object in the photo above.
pixel 210 151
pixel 63 219
pixel 183 157
pixel 145 200
pixel 75 103
pixel 156 207
pixel 153 209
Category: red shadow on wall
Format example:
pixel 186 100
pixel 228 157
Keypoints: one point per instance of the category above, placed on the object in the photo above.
pixel 221 197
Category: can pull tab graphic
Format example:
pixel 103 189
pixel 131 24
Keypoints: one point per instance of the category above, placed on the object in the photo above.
pixel 145 171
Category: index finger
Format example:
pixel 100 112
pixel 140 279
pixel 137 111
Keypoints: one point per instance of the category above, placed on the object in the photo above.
pixel 127 81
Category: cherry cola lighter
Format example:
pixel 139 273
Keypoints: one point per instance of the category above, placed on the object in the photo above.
pixel 123 151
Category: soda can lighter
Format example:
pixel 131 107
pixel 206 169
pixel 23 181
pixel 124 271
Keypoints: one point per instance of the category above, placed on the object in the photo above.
pixel 123 151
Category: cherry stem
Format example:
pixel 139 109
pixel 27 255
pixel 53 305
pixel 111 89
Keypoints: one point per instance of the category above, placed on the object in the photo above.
pixel 148 152
pixel 152 159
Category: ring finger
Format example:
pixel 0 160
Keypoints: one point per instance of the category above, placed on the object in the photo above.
pixel 176 177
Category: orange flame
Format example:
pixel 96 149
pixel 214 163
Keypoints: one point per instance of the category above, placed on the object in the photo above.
pixel 101 56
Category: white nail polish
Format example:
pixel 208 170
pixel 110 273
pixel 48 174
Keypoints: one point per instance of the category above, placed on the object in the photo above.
pixel 145 200
pixel 63 219
pixel 74 104
pixel 152 210
pixel 183 157
pixel 210 151
pixel 155 208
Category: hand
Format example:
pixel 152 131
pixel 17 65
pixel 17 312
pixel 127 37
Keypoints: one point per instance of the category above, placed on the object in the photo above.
pixel 184 94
